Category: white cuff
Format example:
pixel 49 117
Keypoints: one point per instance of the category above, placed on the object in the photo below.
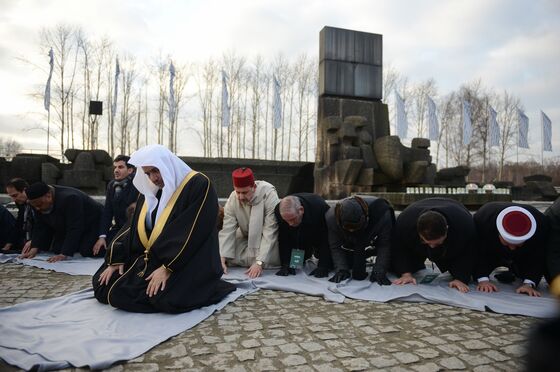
pixel 483 279
pixel 103 236
pixel 532 283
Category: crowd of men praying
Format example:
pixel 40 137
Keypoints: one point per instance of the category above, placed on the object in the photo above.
pixel 167 241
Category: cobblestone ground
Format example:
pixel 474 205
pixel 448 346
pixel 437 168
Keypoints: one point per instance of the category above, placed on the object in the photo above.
pixel 271 330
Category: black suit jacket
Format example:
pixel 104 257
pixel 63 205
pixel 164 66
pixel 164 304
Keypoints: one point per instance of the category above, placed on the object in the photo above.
pixel 553 244
pixel 115 207
pixel 311 235
pixel 71 225
pixel 457 253
pixel 527 261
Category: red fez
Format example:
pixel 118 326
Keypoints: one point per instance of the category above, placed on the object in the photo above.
pixel 516 225
pixel 243 177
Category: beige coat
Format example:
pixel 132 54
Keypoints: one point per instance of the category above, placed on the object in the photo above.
pixel 250 231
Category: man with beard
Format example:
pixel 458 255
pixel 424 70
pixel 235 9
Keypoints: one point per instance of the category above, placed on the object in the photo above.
pixel 441 230
pixel 120 195
pixel 249 236
pixel 515 236
pixel 167 258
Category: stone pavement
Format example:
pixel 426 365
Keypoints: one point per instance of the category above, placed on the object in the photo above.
pixel 271 330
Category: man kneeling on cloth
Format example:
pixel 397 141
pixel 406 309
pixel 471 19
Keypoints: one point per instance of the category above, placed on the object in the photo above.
pixel 166 259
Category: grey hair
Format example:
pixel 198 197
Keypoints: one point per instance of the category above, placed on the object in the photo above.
pixel 290 204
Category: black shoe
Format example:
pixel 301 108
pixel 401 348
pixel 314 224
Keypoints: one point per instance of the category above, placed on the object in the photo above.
pixel 320 272
pixel 340 276
pixel 285 271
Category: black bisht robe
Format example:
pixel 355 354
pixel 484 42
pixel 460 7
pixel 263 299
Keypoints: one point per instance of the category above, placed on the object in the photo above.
pixel 526 262
pixel 456 254
pixel 553 244
pixel 311 235
pixel 186 243
pixel 348 249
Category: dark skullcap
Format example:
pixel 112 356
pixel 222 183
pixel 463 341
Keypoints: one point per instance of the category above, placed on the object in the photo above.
pixel 351 214
pixel 37 190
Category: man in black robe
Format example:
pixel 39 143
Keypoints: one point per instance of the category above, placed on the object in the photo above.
pixel 7 226
pixel 511 235
pixel 167 259
pixel 301 220
pixel 360 227
pixel 120 195
pixel 553 243
pixel 66 222
pixel 441 230
pixel 15 188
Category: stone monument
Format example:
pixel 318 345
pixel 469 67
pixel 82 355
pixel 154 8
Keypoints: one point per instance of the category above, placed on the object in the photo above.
pixel 355 151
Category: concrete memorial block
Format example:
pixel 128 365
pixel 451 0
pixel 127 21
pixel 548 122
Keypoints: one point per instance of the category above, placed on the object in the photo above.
pixel 102 157
pixel 29 166
pixel 365 138
pixel 350 152
pixel 420 143
pixel 389 153
pixel 50 173
pixel 347 171
pixel 538 178
pixel 366 177
pixel 332 123
pixel 368 157
pixel 430 175
pixel 356 121
pixel 415 171
pixel 456 176
pixel 347 133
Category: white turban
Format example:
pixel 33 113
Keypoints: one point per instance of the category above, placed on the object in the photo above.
pixel 172 169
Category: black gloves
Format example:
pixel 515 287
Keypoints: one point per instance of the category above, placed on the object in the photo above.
pixel 380 278
pixel 320 272
pixel 285 271
pixel 340 276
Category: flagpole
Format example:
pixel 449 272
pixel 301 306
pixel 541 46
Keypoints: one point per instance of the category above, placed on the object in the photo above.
pixel 48 129
pixel 542 141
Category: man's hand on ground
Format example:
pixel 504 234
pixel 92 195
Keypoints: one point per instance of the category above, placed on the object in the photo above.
pixel 224 264
pixel 459 285
pixel 405 278
pixel 29 252
pixel 528 290
pixel 486 286
pixel 254 271
pixel 58 257
pixel 7 247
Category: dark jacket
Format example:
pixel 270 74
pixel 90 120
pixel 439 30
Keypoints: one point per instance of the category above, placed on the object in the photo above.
pixel 456 254
pixel 376 234
pixel 311 235
pixel 553 244
pixel 116 206
pixel 7 226
pixel 527 261
pixel 24 224
pixel 71 226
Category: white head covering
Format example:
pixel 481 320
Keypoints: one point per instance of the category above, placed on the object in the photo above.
pixel 172 169
pixel 516 225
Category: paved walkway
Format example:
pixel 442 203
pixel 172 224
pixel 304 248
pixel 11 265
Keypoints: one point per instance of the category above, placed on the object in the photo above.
pixel 269 331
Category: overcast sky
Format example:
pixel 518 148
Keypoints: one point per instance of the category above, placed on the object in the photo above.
pixel 508 44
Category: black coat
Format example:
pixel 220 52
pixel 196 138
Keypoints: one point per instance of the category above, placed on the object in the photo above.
pixel 311 235
pixel 186 244
pixel 553 244
pixel 116 206
pixel 377 234
pixel 7 226
pixel 24 224
pixel 527 261
pixel 456 254
pixel 71 226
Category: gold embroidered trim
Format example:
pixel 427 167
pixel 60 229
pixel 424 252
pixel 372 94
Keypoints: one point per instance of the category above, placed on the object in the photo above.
pixel 195 220
pixel 158 227
pixel 119 278
pixel 113 243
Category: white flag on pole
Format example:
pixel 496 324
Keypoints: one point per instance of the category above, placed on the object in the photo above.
pixel 523 130
pixel 402 122
pixel 467 125
pixel 225 99
pixel 546 132
pixel 171 102
pixel 276 105
pixel 493 127
pixel 47 97
pixel 433 124
pixel 115 96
